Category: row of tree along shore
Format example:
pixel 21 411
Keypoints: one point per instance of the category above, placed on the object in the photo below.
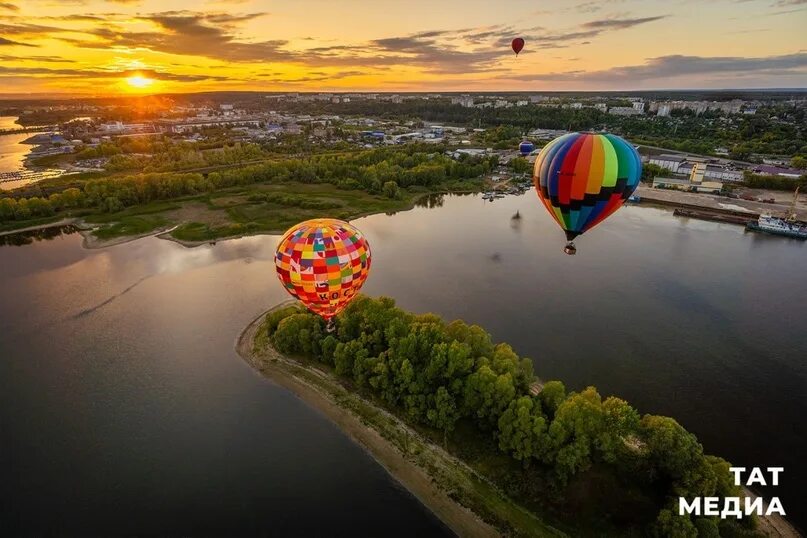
pixel 587 464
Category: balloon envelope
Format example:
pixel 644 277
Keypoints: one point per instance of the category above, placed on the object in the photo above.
pixel 517 45
pixel 323 263
pixel 582 178
pixel 526 147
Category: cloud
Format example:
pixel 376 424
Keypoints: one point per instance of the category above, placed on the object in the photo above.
pixel 211 35
pixel 537 39
pixel 666 67
pixel 217 35
pixel 106 17
pixel 8 42
pixel 315 76
pixel 49 59
pixel 620 24
pixel 10 7
pixel 31 30
pixel 90 74
pixel 588 7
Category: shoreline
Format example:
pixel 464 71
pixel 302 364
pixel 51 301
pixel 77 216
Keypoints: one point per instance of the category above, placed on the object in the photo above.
pixel 327 396
pixel 92 242
pixel 650 197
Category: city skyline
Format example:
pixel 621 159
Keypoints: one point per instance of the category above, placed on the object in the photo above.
pixel 86 47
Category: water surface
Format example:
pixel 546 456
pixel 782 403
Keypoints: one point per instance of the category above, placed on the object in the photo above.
pixel 123 403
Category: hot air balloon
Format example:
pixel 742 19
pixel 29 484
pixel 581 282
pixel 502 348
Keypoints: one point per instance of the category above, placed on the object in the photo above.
pixel 582 178
pixel 323 263
pixel 525 148
pixel 517 44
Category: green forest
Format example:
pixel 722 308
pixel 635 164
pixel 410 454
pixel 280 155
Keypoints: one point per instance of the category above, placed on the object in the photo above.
pixel 593 464
pixel 385 172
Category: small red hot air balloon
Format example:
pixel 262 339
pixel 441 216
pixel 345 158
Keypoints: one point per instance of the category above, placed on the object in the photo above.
pixel 518 44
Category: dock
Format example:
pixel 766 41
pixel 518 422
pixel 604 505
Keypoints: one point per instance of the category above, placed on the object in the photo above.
pixel 731 217
pixel 29 175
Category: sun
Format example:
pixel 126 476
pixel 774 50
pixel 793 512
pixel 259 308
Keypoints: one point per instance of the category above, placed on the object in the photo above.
pixel 139 81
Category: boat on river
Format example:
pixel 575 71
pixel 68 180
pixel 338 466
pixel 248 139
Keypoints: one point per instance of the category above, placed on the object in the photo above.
pixel 787 227
pixel 777 226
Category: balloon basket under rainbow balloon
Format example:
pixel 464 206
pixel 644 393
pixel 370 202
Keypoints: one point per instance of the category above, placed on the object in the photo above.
pixel 570 249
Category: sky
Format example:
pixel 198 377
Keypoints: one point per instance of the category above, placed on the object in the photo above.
pixel 93 47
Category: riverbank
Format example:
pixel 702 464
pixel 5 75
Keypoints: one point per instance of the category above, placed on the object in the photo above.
pixel 724 205
pixel 416 457
pixel 436 478
pixel 774 525
pixel 231 214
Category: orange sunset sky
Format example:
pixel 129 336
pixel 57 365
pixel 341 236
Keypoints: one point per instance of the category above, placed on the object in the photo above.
pixel 92 47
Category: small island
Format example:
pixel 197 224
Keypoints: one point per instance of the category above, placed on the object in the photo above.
pixel 491 449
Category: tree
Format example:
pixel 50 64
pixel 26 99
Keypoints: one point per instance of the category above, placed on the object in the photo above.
pixel 474 336
pixel 112 204
pixel 8 209
pixel 650 171
pixel 445 413
pixel 551 396
pixel 621 420
pixel 328 346
pixel 707 528
pixel 523 431
pixel 298 334
pixel 487 395
pixel 391 190
pixel 799 162
pixel 23 209
pixel 578 426
pixel 273 319
pixel 519 165
pixel 505 360
pixel 670 525
pixel 345 355
pixel 673 450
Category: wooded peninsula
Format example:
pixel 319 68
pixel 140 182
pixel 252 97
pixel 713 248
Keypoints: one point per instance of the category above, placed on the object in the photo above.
pixel 524 455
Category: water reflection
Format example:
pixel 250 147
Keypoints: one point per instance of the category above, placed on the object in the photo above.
pixel 45 234
pixel 121 399
pixel 430 201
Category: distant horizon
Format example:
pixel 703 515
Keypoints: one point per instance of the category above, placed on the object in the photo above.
pixel 68 96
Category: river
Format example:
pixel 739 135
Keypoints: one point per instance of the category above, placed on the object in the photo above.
pixel 12 151
pixel 123 405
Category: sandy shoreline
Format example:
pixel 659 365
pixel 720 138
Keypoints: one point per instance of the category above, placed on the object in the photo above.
pixel 414 478
pixel 404 469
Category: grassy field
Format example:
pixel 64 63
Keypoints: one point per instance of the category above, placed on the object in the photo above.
pixel 248 210
pixel 134 225
pixel 258 208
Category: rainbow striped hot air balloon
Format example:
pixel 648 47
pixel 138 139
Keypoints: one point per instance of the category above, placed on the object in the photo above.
pixel 582 178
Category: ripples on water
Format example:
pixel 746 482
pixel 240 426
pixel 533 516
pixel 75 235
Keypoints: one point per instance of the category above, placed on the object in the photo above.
pixel 123 397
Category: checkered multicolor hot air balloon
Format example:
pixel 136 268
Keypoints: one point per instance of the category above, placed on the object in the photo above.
pixel 323 263
pixel 582 178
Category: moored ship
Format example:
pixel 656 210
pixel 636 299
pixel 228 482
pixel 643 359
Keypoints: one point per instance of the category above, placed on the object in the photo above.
pixel 777 226
pixel 788 226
